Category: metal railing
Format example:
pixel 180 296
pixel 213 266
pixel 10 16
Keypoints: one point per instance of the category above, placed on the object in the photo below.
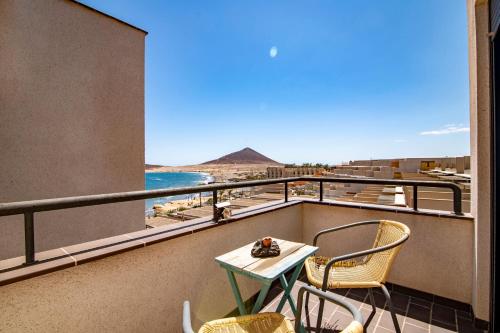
pixel 29 208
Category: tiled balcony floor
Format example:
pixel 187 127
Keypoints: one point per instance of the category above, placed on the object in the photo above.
pixel 415 314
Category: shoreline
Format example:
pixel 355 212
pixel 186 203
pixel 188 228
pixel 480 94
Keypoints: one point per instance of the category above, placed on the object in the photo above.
pixel 220 173
pixel 174 202
pixel 214 173
pixel 175 205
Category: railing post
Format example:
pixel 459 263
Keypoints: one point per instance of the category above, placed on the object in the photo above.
pixel 29 238
pixel 320 191
pixel 214 202
pixel 415 197
pixel 457 201
pixel 286 191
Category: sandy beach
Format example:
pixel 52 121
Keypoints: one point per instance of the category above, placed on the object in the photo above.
pixel 183 203
pixel 220 172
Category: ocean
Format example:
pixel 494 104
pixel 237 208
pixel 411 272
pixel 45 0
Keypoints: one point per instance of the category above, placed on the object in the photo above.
pixel 161 180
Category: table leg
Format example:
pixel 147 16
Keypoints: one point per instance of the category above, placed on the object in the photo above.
pixel 236 292
pixel 287 286
pixel 260 298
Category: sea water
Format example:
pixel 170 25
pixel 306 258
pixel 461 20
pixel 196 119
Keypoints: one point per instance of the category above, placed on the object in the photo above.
pixel 163 180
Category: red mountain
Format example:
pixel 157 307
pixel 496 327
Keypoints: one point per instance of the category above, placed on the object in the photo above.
pixel 244 156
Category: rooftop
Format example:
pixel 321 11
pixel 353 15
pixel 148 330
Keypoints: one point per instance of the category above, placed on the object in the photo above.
pixel 109 16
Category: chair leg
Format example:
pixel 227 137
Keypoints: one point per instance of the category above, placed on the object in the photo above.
pixel 320 314
pixel 391 308
pixel 372 299
pixel 307 302
pixel 306 307
pixel 374 309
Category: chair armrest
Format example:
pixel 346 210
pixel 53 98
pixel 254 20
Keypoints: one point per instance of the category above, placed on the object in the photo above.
pixel 186 319
pixel 357 224
pixel 328 296
pixel 357 255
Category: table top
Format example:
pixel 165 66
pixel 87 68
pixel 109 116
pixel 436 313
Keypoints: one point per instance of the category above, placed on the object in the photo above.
pixel 241 260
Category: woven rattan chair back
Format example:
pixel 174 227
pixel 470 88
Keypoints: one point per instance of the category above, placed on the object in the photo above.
pixel 379 264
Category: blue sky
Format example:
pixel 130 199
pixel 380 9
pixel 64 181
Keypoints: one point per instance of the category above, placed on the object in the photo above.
pixel 348 80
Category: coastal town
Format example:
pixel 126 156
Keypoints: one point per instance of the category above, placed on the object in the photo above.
pixel 248 164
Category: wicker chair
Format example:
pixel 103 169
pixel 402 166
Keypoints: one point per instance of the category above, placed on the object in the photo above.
pixel 369 271
pixel 270 322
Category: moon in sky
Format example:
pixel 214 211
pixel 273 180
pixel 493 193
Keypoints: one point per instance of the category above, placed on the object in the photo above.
pixel 273 52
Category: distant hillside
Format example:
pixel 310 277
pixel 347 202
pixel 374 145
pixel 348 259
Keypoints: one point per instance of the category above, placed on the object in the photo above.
pixel 152 166
pixel 244 156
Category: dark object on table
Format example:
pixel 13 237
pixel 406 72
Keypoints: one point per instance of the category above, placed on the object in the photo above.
pixel 261 251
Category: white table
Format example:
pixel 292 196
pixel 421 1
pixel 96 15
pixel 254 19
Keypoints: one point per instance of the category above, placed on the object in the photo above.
pixel 266 270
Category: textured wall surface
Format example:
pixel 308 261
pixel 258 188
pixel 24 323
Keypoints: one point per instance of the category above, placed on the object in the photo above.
pixel 143 290
pixel 71 119
pixel 436 259
pixel 480 122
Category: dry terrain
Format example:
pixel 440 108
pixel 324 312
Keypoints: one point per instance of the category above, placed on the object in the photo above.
pixel 220 172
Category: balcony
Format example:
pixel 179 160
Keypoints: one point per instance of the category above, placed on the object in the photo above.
pixel 417 312
pixel 138 281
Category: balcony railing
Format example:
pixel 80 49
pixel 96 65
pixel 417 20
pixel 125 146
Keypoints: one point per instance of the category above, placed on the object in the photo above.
pixel 28 208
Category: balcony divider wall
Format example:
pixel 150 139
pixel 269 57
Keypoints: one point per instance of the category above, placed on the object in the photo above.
pixel 143 289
